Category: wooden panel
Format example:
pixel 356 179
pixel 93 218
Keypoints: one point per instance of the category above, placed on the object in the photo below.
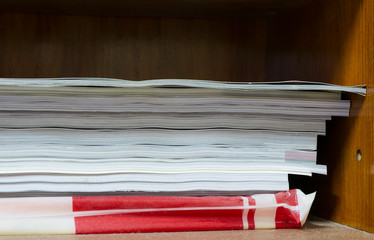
pixel 332 41
pixel 159 8
pixel 34 45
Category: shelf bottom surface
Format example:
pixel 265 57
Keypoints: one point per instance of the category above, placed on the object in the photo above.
pixel 315 228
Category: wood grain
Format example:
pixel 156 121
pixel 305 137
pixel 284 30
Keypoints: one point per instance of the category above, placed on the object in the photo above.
pixel 333 41
pixel 33 45
pixel 153 8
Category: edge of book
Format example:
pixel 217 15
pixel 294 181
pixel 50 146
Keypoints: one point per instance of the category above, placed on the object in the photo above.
pixel 291 85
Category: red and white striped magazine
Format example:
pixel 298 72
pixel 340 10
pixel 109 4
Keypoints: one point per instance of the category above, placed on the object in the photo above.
pixel 128 214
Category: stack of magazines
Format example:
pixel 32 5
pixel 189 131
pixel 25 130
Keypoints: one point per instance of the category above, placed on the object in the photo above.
pixel 92 136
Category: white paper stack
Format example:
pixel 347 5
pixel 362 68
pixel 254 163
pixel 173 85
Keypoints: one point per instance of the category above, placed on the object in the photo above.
pixel 91 135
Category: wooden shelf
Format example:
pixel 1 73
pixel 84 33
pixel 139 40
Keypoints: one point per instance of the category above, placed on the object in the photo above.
pixel 315 228
pixel 320 40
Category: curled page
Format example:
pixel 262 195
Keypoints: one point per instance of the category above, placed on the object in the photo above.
pixel 111 82
pixel 126 214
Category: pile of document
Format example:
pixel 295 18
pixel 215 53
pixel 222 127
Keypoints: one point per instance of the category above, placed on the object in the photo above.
pixel 90 135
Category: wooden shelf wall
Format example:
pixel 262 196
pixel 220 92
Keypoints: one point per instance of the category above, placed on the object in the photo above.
pixel 239 40
pixel 154 8
pixel 333 42
pixel 34 45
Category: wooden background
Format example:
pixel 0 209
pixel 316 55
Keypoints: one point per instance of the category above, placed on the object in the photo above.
pixel 322 40
pixel 33 45
pixel 333 41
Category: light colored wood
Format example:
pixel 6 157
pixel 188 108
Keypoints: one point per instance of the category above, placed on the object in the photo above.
pixel 315 228
pixel 333 41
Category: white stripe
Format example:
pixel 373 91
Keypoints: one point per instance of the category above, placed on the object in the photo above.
pixel 124 211
pixel 304 204
pixel 22 216
pixel 245 213
pixel 266 207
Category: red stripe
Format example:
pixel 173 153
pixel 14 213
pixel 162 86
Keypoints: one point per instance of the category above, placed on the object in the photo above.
pixel 160 222
pixel 164 221
pixel 139 202
pixel 157 221
pixel 284 217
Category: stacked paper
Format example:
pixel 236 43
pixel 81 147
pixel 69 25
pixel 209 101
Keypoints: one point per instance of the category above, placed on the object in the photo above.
pixel 160 136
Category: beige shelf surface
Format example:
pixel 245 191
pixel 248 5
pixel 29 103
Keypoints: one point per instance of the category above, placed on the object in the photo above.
pixel 315 228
